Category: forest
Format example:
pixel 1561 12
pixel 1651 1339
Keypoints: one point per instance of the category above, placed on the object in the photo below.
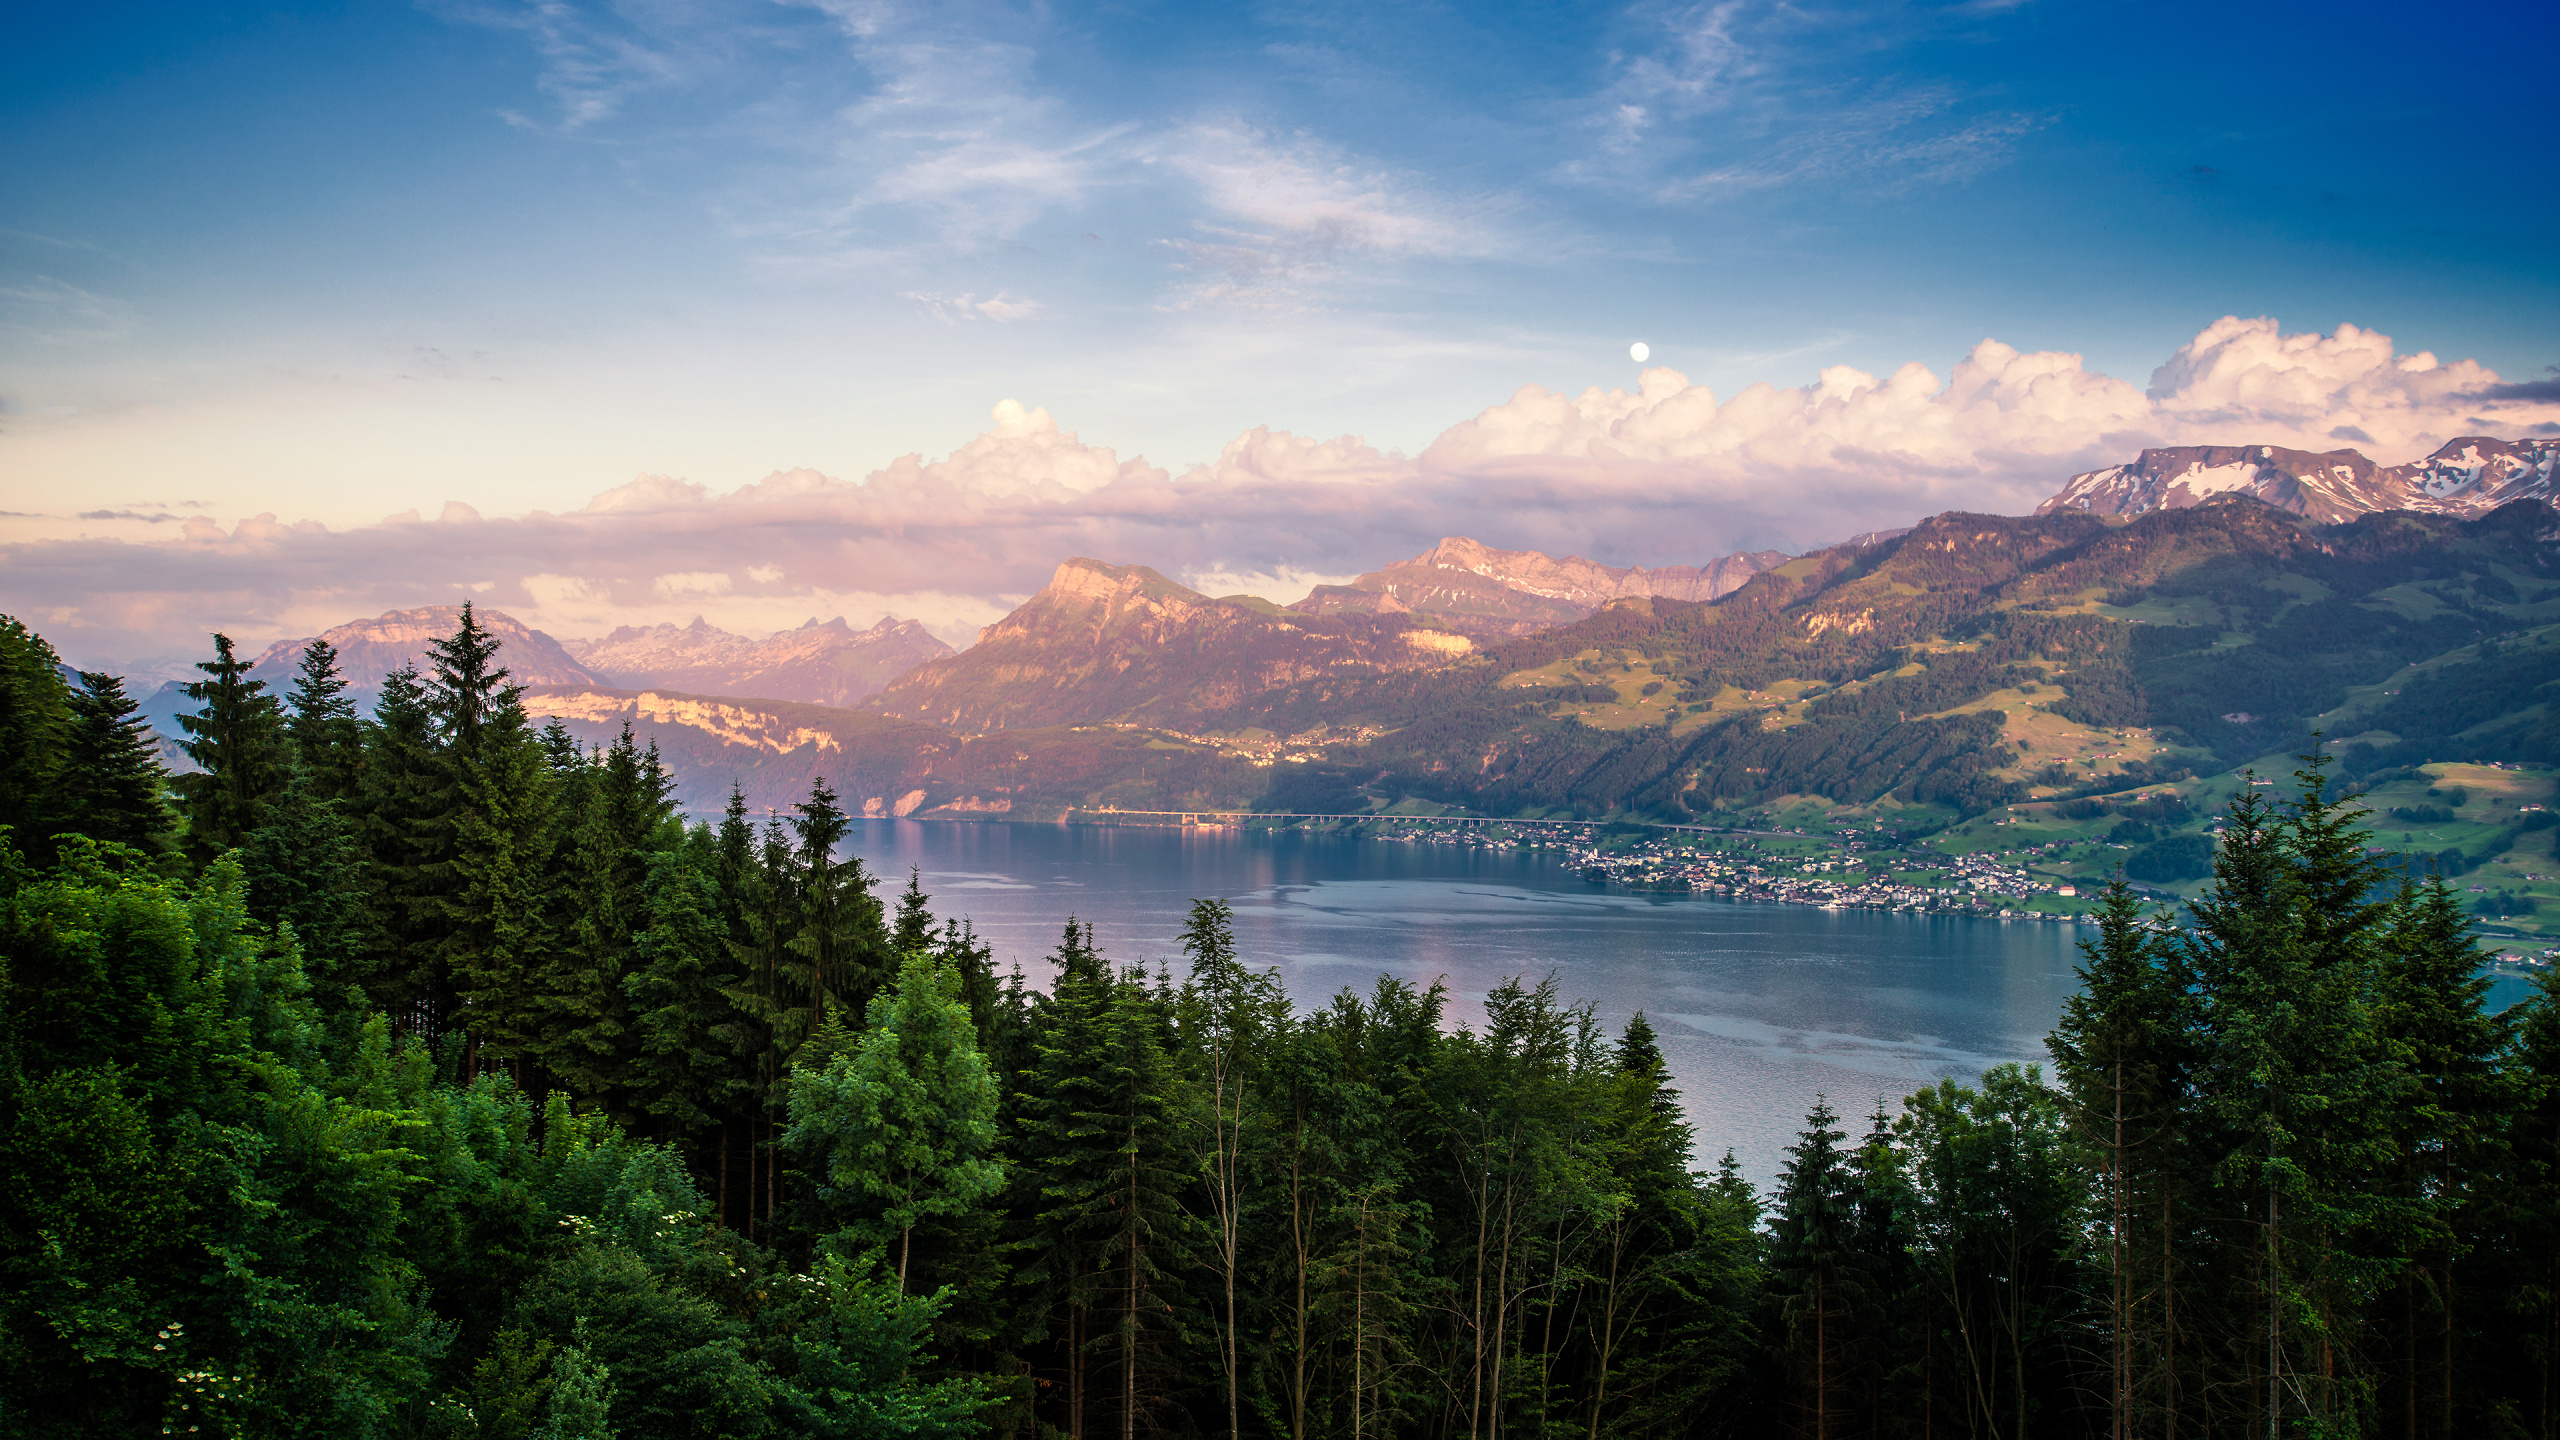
pixel 423 1074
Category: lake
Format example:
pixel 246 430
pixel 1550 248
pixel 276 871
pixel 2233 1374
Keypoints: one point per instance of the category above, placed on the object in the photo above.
pixel 1759 1006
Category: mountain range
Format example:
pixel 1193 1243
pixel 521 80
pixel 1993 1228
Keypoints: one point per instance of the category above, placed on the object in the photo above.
pixel 2196 608
pixel 2470 476
pixel 1484 591
pixel 822 663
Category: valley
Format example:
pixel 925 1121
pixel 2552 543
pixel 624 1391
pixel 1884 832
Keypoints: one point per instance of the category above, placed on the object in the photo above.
pixel 2075 688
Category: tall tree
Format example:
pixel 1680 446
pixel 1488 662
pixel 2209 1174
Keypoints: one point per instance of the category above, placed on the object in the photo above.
pixel 404 816
pixel 1228 1014
pixel 238 742
pixel 841 946
pixel 35 718
pixel 1817 1286
pixel 328 738
pixel 113 786
pixel 2122 1053
pixel 902 1128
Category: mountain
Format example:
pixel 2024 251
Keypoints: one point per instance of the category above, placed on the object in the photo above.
pixel 1485 591
pixel 772 749
pixel 827 663
pixel 369 650
pixel 2470 476
pixel 1122 644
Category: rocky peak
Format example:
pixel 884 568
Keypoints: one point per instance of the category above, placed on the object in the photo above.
pixel 369 650
pixel 2468 476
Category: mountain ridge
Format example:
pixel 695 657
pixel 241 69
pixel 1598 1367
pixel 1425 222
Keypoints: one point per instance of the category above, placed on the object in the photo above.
pixel 2471 475
pixel 1483 590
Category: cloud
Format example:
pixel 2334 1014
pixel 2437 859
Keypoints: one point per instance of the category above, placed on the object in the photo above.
pixel 2520 390
pixel 1666 472
pixel 999 307
pixel 1288 218
pixel 50 311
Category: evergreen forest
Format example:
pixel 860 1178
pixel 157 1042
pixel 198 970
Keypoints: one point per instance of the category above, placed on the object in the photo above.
pixel 426 1074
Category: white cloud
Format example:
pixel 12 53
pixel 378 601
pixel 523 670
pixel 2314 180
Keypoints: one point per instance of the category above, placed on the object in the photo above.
pixel 999 307
pixel 693 585
pixel 1281 586
pixel 1664 473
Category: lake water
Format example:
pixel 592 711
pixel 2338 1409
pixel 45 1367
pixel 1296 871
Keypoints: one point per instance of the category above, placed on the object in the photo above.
pixel 1759 1007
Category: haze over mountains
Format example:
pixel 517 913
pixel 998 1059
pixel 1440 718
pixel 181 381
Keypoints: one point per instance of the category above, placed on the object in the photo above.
pixel 821 662
pixel 2192 607
pixel 1482 590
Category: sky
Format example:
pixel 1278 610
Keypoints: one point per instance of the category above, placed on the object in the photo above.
pixel 621 313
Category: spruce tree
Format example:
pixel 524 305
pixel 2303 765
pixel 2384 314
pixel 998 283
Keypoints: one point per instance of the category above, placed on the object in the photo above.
pixel 405 815
pixel 2122 1053
pixel 327 737
pixel 1228 1013
pixel 113 786
pixel 503 899
pixel 35 723
pixel 238 742
pixel 687 1071
pixel 604 847
pixel 304 869
pixel 841 947
pixel 1812 1266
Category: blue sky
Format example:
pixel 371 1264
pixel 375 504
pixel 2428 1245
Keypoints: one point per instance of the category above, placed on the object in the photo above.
pixel 340 262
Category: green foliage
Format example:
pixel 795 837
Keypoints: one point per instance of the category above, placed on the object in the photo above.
pixel 449 1104
pixel 238 746
pixel 903 1128
pixel 2172 861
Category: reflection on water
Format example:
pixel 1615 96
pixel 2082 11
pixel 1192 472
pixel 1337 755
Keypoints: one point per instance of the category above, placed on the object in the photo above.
pixel 1759 1007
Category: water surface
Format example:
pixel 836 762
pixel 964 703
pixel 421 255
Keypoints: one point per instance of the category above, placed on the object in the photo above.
pixel 1759 1006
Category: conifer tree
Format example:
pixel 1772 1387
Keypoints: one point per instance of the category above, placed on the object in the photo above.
pixel 686 1071
pixel 327 737
pixel 35 721
pixel 2445 1125
pixel 840 945
pixel 588 1035
pixel 113 786
pixel 502 906
pixel 2123 1056
pixel 1810 1259
pixel 405 816
pixel 239 744
pixel 304 869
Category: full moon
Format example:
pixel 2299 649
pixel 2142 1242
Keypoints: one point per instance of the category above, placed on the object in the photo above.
pixel 1639 352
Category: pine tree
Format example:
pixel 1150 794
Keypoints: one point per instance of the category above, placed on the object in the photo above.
pixel 327 737
pixel 113 787
pixel 903 1128
pixel 2122 1054
pixel 239 744
pixel 35 721
pixel 304 869
pixel 404 817
pixel 587 1035
pixel 840 947
pixel 1810 1260
pixel 686 1071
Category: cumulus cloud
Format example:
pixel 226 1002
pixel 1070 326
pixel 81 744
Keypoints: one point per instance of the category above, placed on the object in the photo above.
pixel 1667 472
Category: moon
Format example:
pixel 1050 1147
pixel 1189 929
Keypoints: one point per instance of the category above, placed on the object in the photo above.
pixel 1639 352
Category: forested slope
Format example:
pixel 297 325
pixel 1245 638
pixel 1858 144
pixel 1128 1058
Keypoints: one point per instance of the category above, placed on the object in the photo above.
pixel 425 1076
